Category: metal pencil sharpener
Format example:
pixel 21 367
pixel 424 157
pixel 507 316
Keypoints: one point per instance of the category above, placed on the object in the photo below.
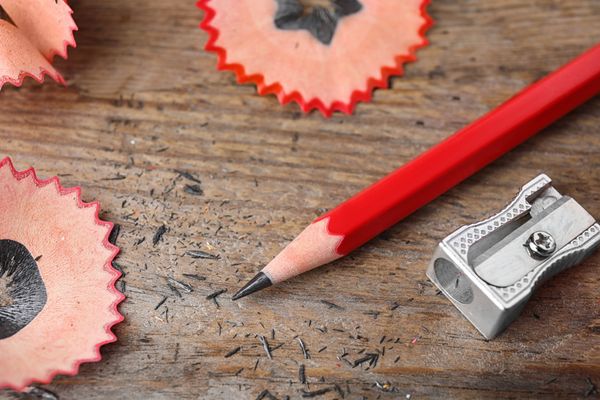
pixel 491 268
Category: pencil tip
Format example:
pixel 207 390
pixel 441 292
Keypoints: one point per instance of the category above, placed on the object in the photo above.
pixel 259 282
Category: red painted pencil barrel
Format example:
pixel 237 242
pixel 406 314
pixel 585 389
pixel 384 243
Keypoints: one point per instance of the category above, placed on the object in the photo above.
pixel 461 155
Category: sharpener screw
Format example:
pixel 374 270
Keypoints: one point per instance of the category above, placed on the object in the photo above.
pixel 541 244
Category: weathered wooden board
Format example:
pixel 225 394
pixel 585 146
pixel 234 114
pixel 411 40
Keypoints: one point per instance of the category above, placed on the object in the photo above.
pixel 144 101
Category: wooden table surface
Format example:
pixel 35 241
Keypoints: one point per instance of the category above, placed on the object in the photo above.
pixel 145 102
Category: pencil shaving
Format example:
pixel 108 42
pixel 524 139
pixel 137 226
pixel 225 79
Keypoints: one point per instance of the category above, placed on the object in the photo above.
pixel 32 34
pixel 60 303
pixel 324 58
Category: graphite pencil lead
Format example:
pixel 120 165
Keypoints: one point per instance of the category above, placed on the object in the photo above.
pixel 259 282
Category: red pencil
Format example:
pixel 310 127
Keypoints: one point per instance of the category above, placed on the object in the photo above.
pixel 418 182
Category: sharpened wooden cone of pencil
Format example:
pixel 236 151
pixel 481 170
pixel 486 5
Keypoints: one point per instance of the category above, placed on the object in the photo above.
pixel 423 179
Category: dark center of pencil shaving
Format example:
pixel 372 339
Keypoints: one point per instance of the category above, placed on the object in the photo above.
pixel 22 291
pixel 4 15
pixel 319 17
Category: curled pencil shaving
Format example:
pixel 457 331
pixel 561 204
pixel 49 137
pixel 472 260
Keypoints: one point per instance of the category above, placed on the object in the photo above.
pixel 58 301
pixel 32 33
pixel 324 58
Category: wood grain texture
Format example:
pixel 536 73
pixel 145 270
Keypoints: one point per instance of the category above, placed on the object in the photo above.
pixel 144 101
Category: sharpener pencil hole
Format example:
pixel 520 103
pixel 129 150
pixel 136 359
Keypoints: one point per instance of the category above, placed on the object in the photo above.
pixel 453 281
